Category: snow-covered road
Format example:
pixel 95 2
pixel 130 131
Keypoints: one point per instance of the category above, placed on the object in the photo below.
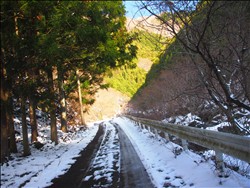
pixel 163 166
pixel 105 166
pixel 114 163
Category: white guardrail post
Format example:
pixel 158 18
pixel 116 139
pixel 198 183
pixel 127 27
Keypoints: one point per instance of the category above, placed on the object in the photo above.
pixel 166 136
pixel 219 161
pixel 234 145
pixel 184 144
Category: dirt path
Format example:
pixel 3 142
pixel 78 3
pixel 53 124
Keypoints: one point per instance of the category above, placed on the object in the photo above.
pixel 108 161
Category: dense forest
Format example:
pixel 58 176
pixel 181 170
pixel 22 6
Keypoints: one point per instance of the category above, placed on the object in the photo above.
pixel 51 49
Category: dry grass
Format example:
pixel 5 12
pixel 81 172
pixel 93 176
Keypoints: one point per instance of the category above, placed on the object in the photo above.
pixel 108 103
pixel 145 64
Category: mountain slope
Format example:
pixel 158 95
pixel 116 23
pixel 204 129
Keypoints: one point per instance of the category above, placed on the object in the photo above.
pixel 208 78
pixel 150 24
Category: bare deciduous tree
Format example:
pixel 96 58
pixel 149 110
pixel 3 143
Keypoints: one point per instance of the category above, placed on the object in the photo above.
pixel 215 35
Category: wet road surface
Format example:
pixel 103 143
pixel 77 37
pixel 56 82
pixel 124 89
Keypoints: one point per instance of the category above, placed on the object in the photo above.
pixel 110 160
pixel 133 173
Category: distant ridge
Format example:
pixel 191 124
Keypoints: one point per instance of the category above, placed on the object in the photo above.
pixel 148 23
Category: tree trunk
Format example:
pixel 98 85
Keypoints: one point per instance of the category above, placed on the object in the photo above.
pixel 4 125
pixel 10 122
pixel 80 98
pixel 33 121
pixel 9 107
pixel 230 118
pixel 26 148
pixel 63 104
pixel 53 133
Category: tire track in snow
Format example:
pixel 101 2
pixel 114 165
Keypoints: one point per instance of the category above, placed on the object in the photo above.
pixel 104 170
pixel 133 173
pixel 73 177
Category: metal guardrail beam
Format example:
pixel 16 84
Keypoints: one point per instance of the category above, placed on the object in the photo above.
pixel 234 145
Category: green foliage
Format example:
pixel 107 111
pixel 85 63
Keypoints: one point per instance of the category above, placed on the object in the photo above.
pixel 149 45
pixel 126 79
pixel 63 36
pixel 165 59
pixel 45 43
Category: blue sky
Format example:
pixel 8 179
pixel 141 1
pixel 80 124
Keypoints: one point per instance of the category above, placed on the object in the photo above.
pixel 131 8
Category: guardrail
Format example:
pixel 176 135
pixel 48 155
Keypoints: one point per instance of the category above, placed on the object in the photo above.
pixel 234 145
